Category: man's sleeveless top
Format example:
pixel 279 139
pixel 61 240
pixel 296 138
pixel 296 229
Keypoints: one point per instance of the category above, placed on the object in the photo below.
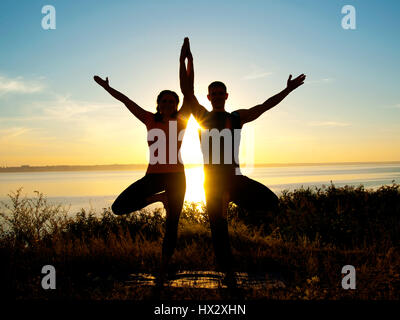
pixel 220 140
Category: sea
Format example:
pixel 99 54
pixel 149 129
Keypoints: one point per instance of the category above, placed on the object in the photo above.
pixel 96 190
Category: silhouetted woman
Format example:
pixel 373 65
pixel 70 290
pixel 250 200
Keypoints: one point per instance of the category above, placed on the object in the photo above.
pixel 165 176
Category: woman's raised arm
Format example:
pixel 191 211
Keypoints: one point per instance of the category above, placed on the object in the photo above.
pixel 136 110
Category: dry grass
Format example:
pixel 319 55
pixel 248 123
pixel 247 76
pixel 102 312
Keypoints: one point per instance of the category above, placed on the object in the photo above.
pixel 315 234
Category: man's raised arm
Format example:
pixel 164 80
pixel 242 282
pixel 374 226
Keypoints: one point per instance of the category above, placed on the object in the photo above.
pixel 137 111
pixel 248 115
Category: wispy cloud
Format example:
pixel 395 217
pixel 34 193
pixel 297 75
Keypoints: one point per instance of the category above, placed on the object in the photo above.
pixel 323 81
pixel 8 133
pixel 389 106
pixel 23 119
pixel 328 124
pixel 63 121
pixel 64 108
pixel 256 73
pixel 19 85
pixel 390 130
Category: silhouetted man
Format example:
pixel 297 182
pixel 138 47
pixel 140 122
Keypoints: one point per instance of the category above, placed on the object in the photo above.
pixel 223 181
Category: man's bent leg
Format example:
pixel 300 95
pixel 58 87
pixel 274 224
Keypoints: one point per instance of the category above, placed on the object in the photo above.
pixel 259 202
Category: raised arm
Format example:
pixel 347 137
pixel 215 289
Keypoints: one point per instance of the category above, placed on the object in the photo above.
pixel 247 115
pixel 137 111
pixel 186 79
pixel 185 82
pixel 186 76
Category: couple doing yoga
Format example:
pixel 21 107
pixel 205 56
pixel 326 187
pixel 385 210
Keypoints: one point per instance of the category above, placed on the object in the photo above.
pixel 165 180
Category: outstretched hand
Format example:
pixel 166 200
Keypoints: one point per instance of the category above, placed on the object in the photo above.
pixel 100 81
pixel 297 82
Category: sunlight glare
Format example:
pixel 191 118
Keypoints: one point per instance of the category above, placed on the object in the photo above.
pixel 190 149
pixel 195 184
pixel 191 155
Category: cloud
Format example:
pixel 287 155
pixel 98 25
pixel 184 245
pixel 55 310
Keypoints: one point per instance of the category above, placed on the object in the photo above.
pixel 390 130
pixel 19 85
pixel 63 118
pixel 62 108
pixel 328 124
pixel 257 75
pixel 389 106
pixel 8 133
pixel 23 118
pixel 324 81
pixel 65 109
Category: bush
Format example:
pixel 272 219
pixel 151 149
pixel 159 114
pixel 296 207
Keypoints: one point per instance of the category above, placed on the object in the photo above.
pixel 314 234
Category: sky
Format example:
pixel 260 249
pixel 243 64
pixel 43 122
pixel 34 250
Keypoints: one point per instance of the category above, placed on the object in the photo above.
pixel 53 113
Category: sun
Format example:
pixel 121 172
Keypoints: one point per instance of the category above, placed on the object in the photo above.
pixel 190 149
pixel 193 160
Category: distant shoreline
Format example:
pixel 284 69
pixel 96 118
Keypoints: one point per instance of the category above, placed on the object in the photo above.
pixel 124 167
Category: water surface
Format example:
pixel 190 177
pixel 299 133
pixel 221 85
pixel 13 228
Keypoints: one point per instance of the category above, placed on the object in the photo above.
pixel 98 189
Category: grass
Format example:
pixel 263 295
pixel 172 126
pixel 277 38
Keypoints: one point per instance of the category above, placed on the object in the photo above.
pixel 315 234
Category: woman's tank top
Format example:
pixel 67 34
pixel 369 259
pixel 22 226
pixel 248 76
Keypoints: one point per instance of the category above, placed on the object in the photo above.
pixel 165 139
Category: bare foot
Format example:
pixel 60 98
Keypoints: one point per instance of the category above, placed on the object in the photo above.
pixel 163 274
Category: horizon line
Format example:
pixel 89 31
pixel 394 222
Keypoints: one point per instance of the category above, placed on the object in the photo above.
pixel 274 164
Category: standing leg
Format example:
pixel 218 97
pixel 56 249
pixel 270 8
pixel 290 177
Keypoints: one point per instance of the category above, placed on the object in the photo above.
pixel 216 199
pixel 175 191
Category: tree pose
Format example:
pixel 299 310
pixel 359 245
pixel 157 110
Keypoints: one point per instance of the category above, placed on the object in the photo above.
pixel 223 181
pixel 164 180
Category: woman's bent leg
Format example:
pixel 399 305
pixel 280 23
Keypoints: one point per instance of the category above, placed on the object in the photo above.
pixel 138 195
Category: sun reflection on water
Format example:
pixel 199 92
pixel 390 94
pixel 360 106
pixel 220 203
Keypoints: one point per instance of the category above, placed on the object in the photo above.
pixel 195 185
